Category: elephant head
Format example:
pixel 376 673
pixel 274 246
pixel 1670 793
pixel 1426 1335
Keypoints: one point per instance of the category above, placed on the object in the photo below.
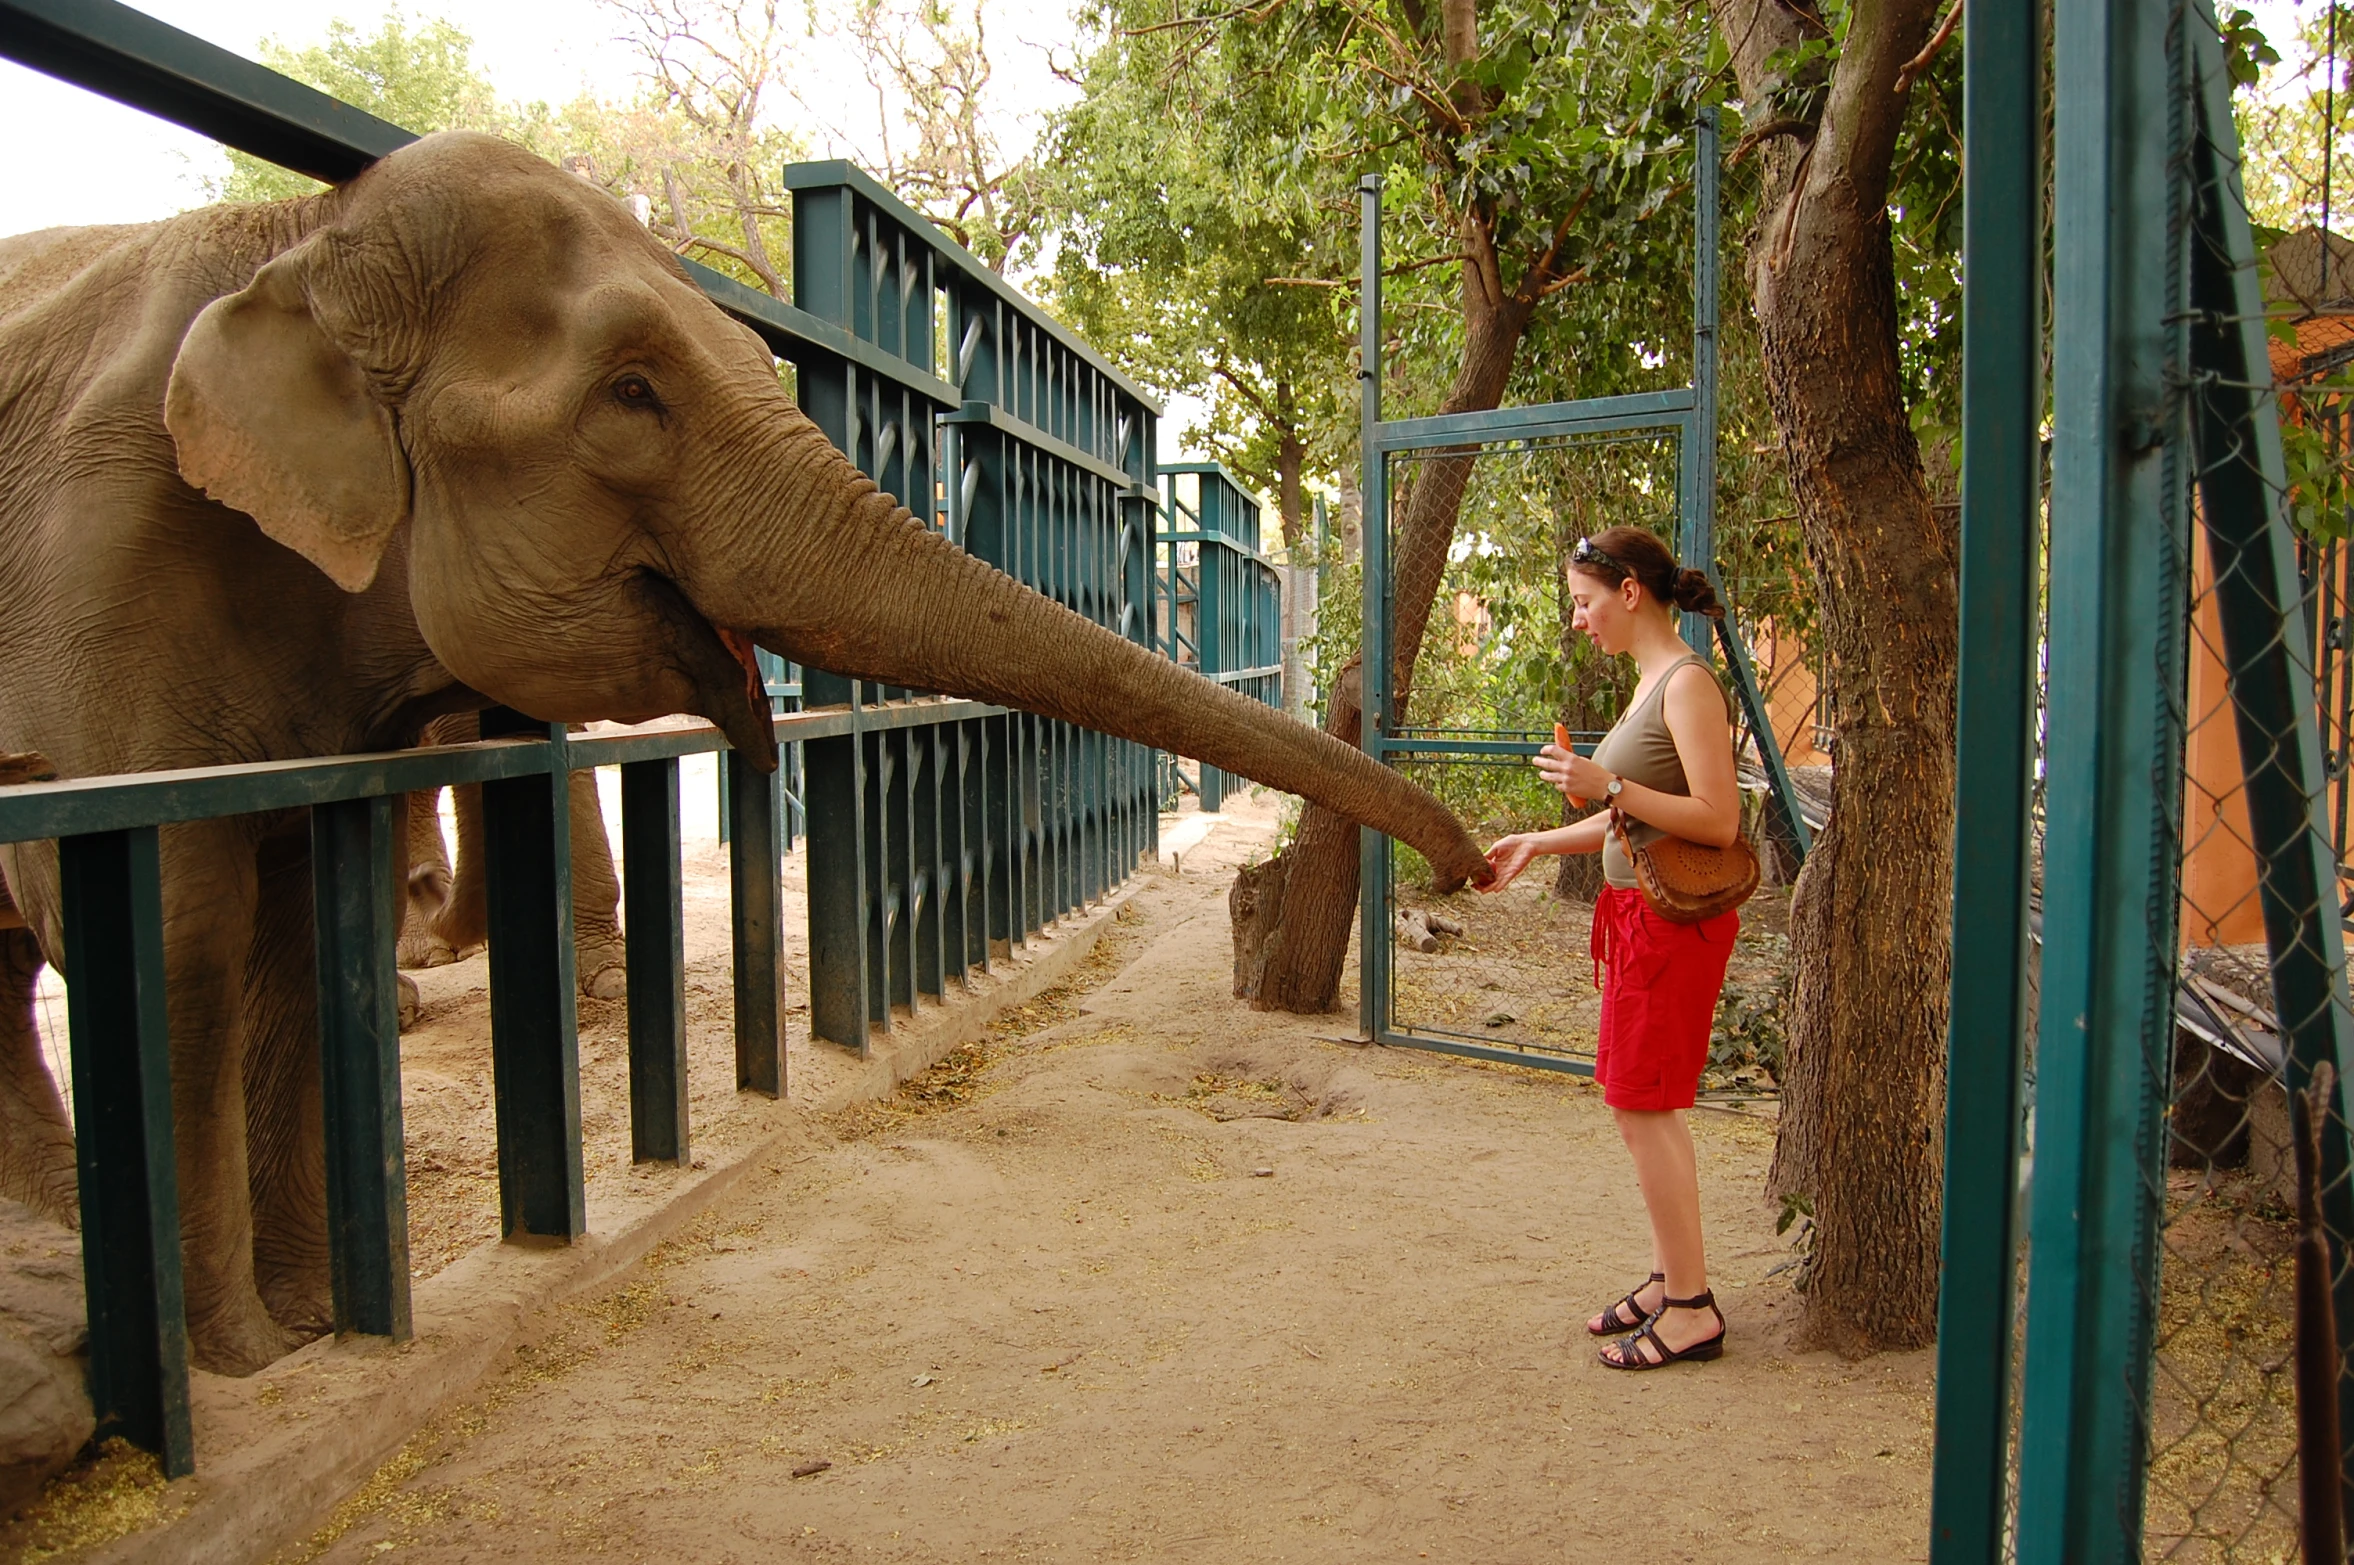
pixel 609 495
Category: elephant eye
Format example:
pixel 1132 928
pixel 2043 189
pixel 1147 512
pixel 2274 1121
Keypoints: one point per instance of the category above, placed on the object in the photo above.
pixel 635 391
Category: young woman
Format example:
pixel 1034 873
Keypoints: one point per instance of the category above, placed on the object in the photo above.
pixel 1667 766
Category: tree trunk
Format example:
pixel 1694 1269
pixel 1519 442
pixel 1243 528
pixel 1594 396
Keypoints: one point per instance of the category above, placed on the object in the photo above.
pixel 1861 1122
pixel 1304 916
pixel 1291 457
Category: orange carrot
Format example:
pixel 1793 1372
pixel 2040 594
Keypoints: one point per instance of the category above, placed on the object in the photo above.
pixel 1561 738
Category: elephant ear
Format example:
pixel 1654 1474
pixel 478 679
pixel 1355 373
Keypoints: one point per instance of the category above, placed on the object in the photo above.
pixel 275 418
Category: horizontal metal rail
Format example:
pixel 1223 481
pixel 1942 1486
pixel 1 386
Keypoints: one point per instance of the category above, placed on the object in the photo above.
pixel 32 812
pixel 1662 410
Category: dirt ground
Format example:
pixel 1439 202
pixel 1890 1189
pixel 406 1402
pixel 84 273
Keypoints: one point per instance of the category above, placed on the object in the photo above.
pixel 1146 1275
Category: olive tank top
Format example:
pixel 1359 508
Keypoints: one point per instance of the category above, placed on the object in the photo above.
pixel 1640 749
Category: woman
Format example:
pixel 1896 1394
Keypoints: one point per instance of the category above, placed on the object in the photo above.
pixel 1667 766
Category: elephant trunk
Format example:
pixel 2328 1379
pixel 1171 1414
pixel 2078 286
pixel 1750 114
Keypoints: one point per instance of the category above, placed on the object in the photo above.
pixel 852 583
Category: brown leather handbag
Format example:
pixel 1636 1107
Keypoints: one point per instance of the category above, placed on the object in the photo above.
pixel 1684 882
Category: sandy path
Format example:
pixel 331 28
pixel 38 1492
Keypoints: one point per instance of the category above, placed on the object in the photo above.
pixel 1044 1306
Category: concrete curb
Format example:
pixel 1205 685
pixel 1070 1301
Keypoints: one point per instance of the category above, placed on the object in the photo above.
pixel 277 1452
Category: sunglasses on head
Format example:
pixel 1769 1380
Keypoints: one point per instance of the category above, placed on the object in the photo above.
pixel 1586 554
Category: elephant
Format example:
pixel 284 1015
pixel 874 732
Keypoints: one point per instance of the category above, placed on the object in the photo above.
pixel 446 914
pixel 296 478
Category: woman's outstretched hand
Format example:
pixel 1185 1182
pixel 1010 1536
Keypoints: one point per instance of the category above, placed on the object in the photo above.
pixel 1508 858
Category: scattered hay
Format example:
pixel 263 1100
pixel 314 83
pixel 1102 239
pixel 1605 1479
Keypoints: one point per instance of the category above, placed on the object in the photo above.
pixel 2223 1450
pixel 1226 1098
pixel 117 1491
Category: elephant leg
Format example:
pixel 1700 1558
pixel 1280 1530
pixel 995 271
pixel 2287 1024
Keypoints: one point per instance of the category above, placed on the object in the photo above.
pixel 427 882
pixel 285 1136
pixel 210 894
pixel 464 922
pixel 36 1143
pixel 596 897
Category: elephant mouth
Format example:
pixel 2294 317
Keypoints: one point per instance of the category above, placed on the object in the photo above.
pixel 729 689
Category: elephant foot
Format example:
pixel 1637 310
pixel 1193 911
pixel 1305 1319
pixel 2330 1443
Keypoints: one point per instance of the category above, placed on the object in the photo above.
pixel 239 1339
pixel 603 966
pixel 412 1001
pixel 304 1305
pixel 425 950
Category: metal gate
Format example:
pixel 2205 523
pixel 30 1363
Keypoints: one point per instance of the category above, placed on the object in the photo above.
pixel 1535 1011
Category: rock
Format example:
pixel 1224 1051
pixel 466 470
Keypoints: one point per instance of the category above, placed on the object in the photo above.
pixel 811 1469
pixel 412 1001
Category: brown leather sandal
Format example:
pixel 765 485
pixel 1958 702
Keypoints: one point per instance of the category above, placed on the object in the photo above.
pixel 1626 1314
pixel 1631 1356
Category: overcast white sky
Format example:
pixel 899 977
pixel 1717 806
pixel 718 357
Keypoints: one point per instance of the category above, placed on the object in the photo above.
pixel 76 158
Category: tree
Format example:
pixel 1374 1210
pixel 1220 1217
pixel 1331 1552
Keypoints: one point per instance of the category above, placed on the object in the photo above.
pixel 700 137
pixel 1526 147
pixel 929 66
pixel 1205 277
pixel 1827 92
pixel 418 76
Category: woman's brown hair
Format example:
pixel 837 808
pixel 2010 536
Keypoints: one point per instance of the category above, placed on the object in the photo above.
pixel 1617 553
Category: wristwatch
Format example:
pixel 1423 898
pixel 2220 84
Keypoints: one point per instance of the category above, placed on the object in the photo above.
pixel 1617 785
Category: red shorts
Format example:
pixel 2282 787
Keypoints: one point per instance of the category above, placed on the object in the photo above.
pixel 1659 983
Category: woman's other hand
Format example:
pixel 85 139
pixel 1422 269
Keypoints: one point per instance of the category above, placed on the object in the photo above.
pixel 1576 777
pixel 1508 858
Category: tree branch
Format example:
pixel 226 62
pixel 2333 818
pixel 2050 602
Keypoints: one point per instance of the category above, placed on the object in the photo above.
pixel 1780 125
pixel 1920 62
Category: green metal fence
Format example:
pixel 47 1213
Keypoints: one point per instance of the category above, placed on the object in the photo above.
pixel 2149 969
pixel 1221 604
pixel 936 826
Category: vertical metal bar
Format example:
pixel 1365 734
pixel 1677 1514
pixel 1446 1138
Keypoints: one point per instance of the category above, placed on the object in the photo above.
pixel 534 1033
pixel 835 776
pixel 756 885
pixel 1373 849
pixel 1210 615
pixel 1696 504
pixel 653 891
pixel 112 890
pixel 357 911
pixel 2260 603
pixel 2119 545
pixel 2002 402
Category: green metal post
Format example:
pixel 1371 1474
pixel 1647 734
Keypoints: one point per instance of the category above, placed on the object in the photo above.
pixel 1373 849
pixel 357 911
pixel 2259 598
pixel 113 910
pixel 756 883
pixel 2119 547
pixel 534 1028
pixel 655 934
pixel 2002 402
pixel 1696 465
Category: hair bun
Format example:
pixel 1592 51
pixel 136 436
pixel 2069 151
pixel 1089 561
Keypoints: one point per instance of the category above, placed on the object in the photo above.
pixel 1695 594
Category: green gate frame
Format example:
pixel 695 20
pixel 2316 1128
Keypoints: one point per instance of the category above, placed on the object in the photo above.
pixel 1690 414
pixel 2159 374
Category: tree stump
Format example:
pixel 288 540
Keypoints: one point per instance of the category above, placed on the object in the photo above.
pixel 1254 905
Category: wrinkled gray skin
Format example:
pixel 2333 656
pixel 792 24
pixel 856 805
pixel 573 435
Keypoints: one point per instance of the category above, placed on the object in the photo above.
pixel 295 479
pixel 447 916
